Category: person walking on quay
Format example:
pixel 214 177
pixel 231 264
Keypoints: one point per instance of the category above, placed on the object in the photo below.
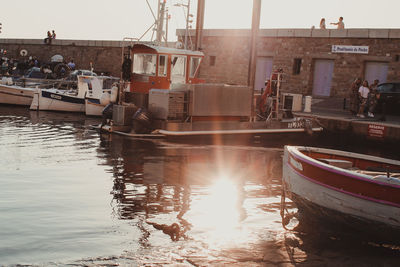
pixel 373 97
pixel 363 92
pixel 354 99
pixel 322 24
pixel 340 24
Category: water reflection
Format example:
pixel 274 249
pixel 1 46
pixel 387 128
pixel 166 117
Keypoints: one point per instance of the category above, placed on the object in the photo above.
pixel 149 203
pixel 224 199
pixel 203 189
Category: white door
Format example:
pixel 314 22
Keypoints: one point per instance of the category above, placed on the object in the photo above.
pixel 376 70
pixel 323 71
pixel 263 72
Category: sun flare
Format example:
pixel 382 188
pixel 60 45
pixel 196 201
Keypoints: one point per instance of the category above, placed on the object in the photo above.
pixel 219 211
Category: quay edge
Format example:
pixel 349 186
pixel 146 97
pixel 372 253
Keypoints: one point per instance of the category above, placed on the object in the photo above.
pixel 386 132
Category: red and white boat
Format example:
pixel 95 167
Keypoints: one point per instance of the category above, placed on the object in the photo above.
pixel 341 185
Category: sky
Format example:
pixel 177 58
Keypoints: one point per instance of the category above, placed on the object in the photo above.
pixel 114 20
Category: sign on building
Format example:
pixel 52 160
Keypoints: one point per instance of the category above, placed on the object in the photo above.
pixel 353 49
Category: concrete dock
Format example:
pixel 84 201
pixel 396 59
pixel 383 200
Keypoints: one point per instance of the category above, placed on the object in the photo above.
pixel 337 119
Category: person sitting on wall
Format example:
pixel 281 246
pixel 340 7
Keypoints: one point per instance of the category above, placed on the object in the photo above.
pixel 340 24
pixel 47 40
pixel 53 35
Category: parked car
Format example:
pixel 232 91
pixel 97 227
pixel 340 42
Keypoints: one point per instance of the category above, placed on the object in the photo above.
pixel 390 97
pixel 35 73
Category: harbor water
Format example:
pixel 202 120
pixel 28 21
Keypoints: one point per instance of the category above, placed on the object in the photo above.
pixel 73 197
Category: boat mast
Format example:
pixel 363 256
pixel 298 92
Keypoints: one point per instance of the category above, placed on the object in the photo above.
pixel 199 23
pixel 160 21
pixel 255 26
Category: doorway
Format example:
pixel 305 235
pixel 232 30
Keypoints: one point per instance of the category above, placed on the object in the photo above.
pixel 263 72
pixel 376 70
pixel 323 71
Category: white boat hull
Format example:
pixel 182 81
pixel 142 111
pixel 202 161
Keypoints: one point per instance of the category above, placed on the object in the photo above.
pixel 93 107
pixel 334 199
pixel 51 100
pixel 16 95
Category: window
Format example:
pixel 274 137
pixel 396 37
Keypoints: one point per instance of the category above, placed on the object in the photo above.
pixel 178 66
pixel 296 66
pixel 386 87
pixel 178 69
pixel 144 64
pixel 194 65
pixel 162 65
pixel 212 60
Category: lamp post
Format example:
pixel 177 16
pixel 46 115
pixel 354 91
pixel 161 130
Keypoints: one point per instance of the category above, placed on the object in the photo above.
pixel 188 15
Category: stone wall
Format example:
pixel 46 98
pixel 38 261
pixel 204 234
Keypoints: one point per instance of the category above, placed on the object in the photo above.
pixel 105 55
pixel 227 54
pixel 230 50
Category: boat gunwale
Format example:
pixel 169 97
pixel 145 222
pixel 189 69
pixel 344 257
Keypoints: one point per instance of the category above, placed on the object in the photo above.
pixel 344 191
pixel 15 94
pixel 239 131
pixel 295 151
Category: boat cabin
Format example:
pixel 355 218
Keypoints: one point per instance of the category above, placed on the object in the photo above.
pixel 157 67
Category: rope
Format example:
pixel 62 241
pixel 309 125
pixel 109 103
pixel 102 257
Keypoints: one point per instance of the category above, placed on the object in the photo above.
pixel 285 219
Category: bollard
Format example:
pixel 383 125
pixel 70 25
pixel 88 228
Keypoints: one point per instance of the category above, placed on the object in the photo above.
pixel 307 103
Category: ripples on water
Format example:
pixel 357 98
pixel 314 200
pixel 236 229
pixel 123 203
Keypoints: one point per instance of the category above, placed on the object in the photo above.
pixel 72 197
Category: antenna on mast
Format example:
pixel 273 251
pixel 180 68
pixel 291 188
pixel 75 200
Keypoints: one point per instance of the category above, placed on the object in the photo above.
pixel 158 24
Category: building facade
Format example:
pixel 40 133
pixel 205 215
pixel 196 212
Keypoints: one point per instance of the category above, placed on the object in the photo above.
pixel 322 63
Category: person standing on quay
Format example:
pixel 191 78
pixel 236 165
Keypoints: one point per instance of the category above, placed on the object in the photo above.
pixel 340 24
pixel 354 100
pixel 363 92
pixel 373 97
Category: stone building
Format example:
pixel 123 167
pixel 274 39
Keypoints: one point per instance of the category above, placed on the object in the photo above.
pixel 316 62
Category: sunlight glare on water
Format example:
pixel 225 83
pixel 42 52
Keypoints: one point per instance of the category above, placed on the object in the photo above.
pixel 218 214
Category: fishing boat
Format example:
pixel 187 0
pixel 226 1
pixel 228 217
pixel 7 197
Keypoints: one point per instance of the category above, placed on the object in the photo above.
pixel 15 95
pixel 72 100
pixel 359 190
pixel 165 98
pixel 101 91
pixel 59 100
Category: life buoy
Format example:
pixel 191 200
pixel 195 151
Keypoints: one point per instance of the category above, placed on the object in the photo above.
pixel 23 52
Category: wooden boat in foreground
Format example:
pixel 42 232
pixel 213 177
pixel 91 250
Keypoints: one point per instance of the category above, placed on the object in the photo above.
pixel 342 186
